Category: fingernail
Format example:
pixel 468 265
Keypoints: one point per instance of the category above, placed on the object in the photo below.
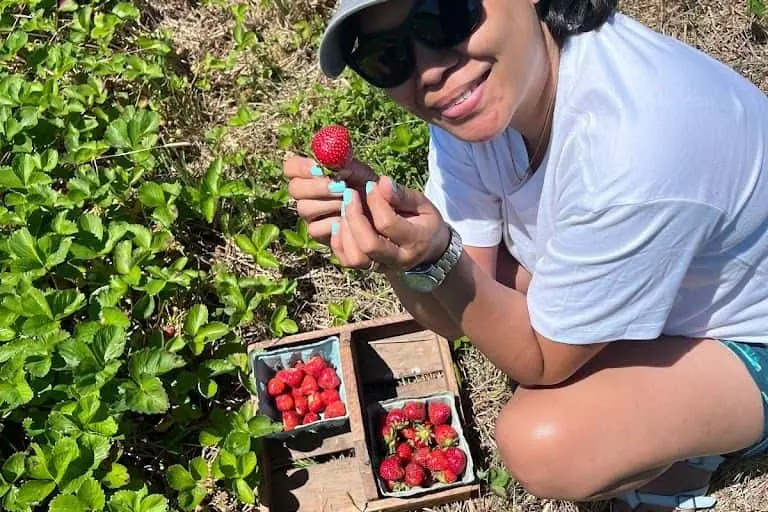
pixel 337 187
pixel 369 187
pixel 347 196
pixel 316 170
pixel 334 228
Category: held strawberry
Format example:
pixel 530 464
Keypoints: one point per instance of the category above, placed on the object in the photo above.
pixel 275 386
pixel 332 146
pixel 335 409
pixel 439 413
pixel 328 379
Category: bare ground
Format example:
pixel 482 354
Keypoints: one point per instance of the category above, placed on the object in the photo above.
pixel 722 28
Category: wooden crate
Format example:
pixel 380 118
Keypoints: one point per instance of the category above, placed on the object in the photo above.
pixel 381 359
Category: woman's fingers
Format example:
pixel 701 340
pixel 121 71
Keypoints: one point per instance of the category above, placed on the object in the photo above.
pixel 370 244
pixel 314 209
pixel 321 229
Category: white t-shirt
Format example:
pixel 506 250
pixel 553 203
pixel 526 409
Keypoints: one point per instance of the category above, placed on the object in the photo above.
pixel 648 215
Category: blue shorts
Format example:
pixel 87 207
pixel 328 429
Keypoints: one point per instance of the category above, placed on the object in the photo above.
pixel 755 358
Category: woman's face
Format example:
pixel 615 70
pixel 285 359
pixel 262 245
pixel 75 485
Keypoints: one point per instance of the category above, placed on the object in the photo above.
pixel 497 72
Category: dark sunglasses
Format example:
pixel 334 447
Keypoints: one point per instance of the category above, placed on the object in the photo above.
pixel 386 59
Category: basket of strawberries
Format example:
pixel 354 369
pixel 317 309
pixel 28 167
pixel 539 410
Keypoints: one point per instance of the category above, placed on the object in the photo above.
pixel 302 387
pixel 419 445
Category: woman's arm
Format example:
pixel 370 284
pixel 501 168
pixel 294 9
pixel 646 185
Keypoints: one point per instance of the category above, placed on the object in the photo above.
pixel 496 262
pixel 495 317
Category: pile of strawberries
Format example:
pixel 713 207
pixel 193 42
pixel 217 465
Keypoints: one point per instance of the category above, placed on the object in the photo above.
pixel 305 391
pixel 421 447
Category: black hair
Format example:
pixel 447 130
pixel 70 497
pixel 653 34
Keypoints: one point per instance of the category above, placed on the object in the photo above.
pixel 568 17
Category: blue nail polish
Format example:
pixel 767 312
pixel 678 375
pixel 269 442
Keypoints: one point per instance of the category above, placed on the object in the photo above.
pixel 368 187
pixel 334 228
pixel 347 196
pixel 337 187
pixel 316 170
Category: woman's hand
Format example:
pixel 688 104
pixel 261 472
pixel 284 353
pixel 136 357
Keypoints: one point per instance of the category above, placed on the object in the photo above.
pixel 318 197
pixel 406 229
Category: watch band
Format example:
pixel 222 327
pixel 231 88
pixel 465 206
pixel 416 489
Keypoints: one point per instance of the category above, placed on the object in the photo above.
pixel 428 276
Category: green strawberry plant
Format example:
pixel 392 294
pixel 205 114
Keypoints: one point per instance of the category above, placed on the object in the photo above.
pixel 95 275
pixel 299 239
pixel 257 245
pixel 341 312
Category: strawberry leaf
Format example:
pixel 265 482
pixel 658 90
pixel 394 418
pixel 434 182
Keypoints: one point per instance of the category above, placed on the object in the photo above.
pixel 196 318
pixel 179 478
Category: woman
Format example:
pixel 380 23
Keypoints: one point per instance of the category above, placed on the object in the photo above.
pixel 593 221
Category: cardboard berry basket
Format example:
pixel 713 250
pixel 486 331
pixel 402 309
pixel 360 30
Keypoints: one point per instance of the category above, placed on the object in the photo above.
pixel 333 470
pixel 265 365
pixel 375 412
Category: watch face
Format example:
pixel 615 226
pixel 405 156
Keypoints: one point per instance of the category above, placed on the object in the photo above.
pixel 420 282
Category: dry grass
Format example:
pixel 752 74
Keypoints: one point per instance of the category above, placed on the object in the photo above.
pixel 722 28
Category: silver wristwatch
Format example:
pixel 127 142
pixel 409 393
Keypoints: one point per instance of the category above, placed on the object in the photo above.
pixel 427 277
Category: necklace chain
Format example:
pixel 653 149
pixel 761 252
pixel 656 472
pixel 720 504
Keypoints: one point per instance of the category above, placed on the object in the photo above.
pixel 529 171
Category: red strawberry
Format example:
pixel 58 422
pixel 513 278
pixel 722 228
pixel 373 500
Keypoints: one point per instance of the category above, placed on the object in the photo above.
pixel 332 146
pixel 335 409
pixel 315 366
pixel 284 402
pixel 290 420
pixel 396 418
pixel 328 379
pixel 308 385
pixel 275 386
pixel 169 332
pixel 301 405
pixel 311 417
pixel 415 411
pixel 446 476
pixel 414 475
pixel 330 395
pixel 456 458
pixel 291 376
pixel 389 436
pixel 315 402
pixel 391 470
pixel 404 451
pixel 409 433
pixel 420 455
pixel 436 461
pixel 439 413
pixel 445 435
pixel 296 393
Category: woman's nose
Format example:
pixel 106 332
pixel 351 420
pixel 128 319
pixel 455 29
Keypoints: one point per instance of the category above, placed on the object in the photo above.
pixel 432 65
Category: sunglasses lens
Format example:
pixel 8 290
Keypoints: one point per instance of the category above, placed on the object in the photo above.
pixel 384 61
pixel 445 23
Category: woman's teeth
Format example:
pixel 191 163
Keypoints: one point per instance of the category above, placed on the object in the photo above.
pixel 463 98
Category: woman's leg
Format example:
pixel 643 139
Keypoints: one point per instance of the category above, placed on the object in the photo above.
pixel 628 416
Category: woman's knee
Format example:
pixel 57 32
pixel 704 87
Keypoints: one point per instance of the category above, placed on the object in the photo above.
pixel 536 446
